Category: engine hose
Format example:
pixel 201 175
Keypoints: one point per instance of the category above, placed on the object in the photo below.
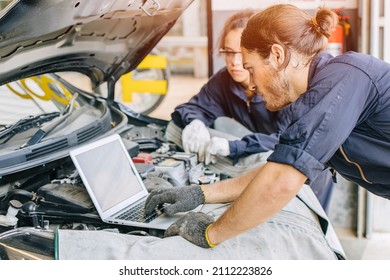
pixel 23 193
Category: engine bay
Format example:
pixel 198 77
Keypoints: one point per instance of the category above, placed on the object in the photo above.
pixel 36 202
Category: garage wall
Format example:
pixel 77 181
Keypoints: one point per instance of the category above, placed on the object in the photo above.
pixel 375 40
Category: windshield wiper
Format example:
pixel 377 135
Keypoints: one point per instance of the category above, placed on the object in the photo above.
pixel 45 130
pixel 26 123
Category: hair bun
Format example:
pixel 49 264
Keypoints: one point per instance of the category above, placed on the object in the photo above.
pixel 324 21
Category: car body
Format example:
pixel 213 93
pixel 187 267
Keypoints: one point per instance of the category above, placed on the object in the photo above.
pixel 59 66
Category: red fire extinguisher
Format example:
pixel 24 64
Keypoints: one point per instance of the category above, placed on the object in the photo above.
pixel 337 40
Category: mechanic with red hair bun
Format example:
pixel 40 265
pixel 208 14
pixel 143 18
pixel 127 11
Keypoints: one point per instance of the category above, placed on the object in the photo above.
pixel 340 117
pixel 227 94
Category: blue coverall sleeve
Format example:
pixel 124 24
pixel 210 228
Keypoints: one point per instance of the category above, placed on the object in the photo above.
pixel 252 144
pixel 325 116
pixel 206 106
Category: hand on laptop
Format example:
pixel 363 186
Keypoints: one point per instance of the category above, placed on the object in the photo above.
pixel 192 227
pixel 179 199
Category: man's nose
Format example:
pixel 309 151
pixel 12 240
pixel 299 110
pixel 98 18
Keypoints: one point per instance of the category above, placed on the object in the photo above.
pixel 252 86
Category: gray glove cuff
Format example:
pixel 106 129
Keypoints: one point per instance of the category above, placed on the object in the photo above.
pixel 198 194
pixel 199 233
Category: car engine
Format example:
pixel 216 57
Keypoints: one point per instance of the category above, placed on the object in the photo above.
pixel 36 202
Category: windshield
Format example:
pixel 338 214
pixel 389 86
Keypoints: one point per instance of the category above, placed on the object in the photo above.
pixel 36 107
pixel 32 96
pixel 4 3
pixel 43 116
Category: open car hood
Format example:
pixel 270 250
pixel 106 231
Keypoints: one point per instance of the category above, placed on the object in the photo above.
pixel 102 39
pixel 42 115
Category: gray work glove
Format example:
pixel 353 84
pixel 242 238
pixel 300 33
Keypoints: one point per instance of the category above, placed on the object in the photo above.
pixel 180 199
pixel 192 227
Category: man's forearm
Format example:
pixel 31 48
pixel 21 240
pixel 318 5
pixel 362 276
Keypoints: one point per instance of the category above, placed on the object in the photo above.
pixel 229 190
pixel 269 191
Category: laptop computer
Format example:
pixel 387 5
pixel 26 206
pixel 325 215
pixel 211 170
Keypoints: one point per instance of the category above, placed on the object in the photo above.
pixel 114 184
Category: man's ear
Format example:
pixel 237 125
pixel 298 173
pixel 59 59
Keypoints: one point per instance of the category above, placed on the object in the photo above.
pixel 277 55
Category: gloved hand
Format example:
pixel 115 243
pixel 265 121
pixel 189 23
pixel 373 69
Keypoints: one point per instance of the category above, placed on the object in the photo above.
pixel 216 146
pixel 195 137
pixel 192 227
pixel 181 199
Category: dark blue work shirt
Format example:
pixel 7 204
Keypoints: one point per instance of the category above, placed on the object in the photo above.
pixel 343 121
pixel 222 96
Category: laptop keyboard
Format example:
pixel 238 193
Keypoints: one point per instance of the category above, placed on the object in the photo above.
pixel 137 214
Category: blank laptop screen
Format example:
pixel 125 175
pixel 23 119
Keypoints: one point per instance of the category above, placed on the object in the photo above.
pixel 109 174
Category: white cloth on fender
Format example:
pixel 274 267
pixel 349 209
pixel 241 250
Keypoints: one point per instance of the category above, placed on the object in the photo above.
pixel 293 233
pixel 195 137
